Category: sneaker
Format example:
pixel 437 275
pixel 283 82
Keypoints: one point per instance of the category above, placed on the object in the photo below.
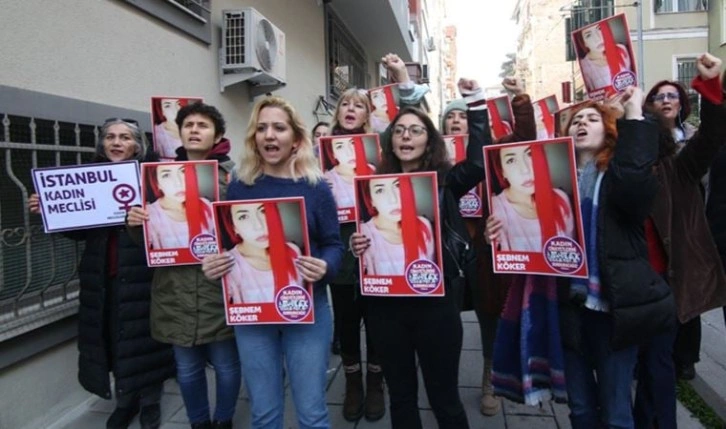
pixel 150 417
pixel 121 417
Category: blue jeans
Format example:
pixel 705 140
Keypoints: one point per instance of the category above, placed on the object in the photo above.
pixel 655 397
pixel 191 363
pixel 599 380
pixel 304 349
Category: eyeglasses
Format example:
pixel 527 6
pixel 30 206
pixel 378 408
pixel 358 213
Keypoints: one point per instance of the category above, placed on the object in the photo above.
pixel 662 97
pixel 133 122
pixel 413 130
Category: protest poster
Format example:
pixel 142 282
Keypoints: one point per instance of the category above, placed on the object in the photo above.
pixel 399 214
pixel 341 159
pixel 470 204
pixel 501 116
pixel 532 191
pixel 264 237
pixel 86 196
pixel 605 55
pixel 544 117
pixel 562 118
pixel 166 133
pixel 385 101
pixel 178 198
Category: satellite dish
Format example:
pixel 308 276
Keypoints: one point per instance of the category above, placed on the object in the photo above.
pixel 266 45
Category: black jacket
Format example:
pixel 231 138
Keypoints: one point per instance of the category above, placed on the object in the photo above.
pixel 641 303
pixel 113 318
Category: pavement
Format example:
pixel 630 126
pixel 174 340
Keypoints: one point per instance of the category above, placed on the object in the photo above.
pixel 710 381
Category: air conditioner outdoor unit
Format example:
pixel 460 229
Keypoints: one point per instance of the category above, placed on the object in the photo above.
pixel 252 50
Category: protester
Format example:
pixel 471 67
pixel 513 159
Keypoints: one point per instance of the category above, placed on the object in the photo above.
pixel 277 162
pixel 113 327
pixel 353 116
pixel 321 129
pixel 691 267
pixel 605 317
pixel 187 310
pixel 488 291
pixel 670 100
pixel 427 328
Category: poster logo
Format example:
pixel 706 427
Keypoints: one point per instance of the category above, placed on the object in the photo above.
pixel 470 203
pixel 293 303
pixel 203 245
pixel 563 254
pixel 423 276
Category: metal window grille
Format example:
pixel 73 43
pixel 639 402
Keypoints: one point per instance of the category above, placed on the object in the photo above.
pixel 196 7
pixel 670 6
pixel 346 59
pixel 686 71
pixel 38 278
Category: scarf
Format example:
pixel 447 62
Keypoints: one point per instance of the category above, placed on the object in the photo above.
pixel 528 361
pixel 589 183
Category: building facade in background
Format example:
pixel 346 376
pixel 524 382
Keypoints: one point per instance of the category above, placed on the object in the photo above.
pixel 67 66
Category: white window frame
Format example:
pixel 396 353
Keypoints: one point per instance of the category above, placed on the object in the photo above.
pixel 675 9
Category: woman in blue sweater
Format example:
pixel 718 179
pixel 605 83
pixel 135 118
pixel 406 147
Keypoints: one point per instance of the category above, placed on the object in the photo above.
pixel 279 161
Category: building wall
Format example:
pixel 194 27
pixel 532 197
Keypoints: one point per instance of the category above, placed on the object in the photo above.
pixel 112 53
pixel 541 59
pixel 717 28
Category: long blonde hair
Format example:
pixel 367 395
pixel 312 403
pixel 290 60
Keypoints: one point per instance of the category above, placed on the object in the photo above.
pixel 303 164
pixel 352 94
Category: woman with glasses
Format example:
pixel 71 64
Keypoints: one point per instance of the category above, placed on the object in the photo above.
pixel 353 116
pixel 670 100
pixel 428 328
pixel 115 285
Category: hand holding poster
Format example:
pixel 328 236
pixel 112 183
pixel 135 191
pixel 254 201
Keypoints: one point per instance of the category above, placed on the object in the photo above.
pixel 177 198
pixel 470 204
pixel 399 214
pixel 86 196
pixel 544 110
pixel 532 188
pixel 605 55
pixel 264 238
pixel 384 100
pixel 500 116
pixel 344 157
pixel 166 132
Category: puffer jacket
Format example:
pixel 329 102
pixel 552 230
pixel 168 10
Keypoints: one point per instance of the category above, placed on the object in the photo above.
pixel 641 303
pixel 187 309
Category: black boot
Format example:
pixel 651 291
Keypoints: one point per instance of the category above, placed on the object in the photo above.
pixel 222 425
pixel 353 402
pixel 121 417
pixel 203 425
pixel 150 417
pixel 375 407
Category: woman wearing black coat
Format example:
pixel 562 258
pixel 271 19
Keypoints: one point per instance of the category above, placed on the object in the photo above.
pixel 113 318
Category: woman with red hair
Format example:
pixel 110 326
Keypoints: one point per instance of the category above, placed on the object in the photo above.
pixel 179 213
pixel 530 209
pixel 391 203
pixel 601 58
pixel 347 156
pixel 256 231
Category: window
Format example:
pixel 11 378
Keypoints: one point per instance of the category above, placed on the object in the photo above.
pixel 673 6
pixel 685 71
pixel 192 17
pixel 346 59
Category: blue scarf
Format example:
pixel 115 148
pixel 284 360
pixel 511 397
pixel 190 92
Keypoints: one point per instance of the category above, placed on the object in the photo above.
pixel 589 183
pixel 528 361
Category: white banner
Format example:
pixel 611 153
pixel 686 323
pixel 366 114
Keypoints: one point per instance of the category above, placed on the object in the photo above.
pixel 86 196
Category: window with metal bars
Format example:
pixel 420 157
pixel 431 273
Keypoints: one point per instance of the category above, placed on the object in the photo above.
pixel 192 17
pixel 346 59
pixel 686 71
pixel 674 6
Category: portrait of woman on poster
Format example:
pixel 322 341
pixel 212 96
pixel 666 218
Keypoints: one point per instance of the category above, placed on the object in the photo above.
pixel 255 232
pixel 500 119
pixel 178 211
pixel 397 233
pixel 600 57
pixel 544 120
pixel 384 101
pixel 344 158
pixel 166 131
pixel 529 210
